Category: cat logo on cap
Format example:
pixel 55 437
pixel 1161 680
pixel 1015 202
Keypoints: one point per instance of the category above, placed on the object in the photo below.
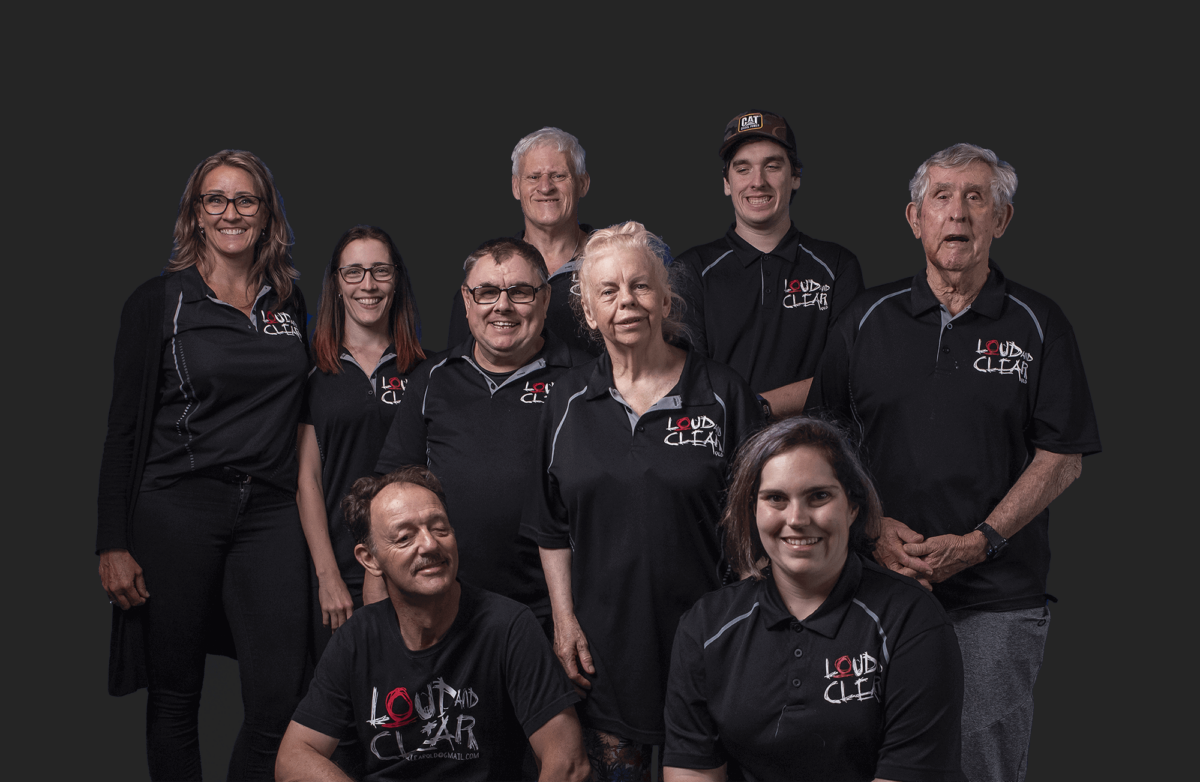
pixel 750 122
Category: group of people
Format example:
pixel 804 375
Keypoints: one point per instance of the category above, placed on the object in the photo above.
pixel 707 517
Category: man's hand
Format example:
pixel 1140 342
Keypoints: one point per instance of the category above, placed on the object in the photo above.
pixel 891 551
pixel 948 554
pixel 121 577
pixel 569 644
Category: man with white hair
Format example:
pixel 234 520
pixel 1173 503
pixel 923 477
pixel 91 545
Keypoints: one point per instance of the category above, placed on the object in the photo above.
pixel 969 394
pixel 549 177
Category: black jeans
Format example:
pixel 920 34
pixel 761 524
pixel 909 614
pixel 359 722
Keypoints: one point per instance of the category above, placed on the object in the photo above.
pixel 207 547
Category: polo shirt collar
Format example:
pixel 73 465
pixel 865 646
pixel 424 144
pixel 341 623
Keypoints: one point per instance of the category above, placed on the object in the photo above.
pixel 988 302
pixel 748 253
pixel 388 355
pixel 694 385
pixel 827 619
pixel 554 352
pixel 195 289
pixel 570 266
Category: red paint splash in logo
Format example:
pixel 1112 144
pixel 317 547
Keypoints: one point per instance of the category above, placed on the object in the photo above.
pixel 683 424
pixel 395 384
pixel 402 719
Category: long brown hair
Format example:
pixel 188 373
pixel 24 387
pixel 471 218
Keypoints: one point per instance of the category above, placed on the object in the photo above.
pixel 739 521
pixel 403 321
pixel 272 253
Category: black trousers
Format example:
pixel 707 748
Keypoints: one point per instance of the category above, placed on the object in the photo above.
pixel 209 547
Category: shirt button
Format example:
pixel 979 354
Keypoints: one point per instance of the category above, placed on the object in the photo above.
pixel 641 427
pixel 796 626
pixel 795 682
pixel 799 652
pixel 946 350
pixel 949 325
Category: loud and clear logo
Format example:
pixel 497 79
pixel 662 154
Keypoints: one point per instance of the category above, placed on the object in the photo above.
pixel 448 725
pixel 854 678
pixel 279 323
pixel 1004 357
pixel 536 393
pixel 805 293
pixel 750 122
pixel 391 389
pixel 699 430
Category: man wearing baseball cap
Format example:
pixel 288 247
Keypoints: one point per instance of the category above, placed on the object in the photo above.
pixel 761 297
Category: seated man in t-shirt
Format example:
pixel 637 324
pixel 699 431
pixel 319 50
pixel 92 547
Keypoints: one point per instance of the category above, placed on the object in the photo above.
pixel 442 680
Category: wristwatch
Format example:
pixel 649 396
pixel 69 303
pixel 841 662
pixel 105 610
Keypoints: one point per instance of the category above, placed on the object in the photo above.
pixel 995 541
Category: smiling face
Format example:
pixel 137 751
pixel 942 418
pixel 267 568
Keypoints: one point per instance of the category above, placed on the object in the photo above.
pixel 230 236
pixel 413 547
pixel 625 296
pixel 803 518
pixel 549 193
pixel 958 219
pixel 760 181
pixel 506 334
pixel 368 302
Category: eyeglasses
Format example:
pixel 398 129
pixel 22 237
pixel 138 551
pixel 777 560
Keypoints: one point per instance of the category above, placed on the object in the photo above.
pixel 517 294
pixel 216 204
pixel 382 272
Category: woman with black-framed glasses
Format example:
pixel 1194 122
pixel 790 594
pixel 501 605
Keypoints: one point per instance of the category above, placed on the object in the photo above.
pixel 200 543
pixel 365 343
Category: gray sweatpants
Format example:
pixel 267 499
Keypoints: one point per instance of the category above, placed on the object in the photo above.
pixel 1002 653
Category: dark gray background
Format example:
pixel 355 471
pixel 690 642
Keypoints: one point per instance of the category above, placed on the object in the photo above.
pixel 408 121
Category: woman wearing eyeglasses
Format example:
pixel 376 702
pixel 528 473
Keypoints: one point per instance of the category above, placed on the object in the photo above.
pixel 635 456
pixel 365 343
pixel 199 539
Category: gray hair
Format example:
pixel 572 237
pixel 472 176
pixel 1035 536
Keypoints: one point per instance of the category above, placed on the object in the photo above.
pixel 1004 176
pixel 634 237
pixel 561 139
pixel 504 248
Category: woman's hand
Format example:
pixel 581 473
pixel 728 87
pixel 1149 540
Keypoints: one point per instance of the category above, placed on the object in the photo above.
pixel 122 579
pixel 570 644
pixel 336 603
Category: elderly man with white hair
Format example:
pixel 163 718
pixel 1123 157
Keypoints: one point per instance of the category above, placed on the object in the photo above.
pixel 549 178
pixel 970 397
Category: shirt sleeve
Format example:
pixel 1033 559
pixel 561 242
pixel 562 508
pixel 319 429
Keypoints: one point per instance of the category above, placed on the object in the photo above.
pixel 847 285
pixel 537 685
pixel 406 441
pixel 692 293
pixel 138 335
pixel 830 390
pixel 922 720
pixel 691 732
pixel 327 707
pixel 745 416
pixel 1064 420
pixel 544 518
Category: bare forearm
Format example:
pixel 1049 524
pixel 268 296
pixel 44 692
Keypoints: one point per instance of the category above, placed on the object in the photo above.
pixel 673 774
pixel 310 501
pixel 1046 477
pixel 556 563
pixel 300 761
pixel 788 400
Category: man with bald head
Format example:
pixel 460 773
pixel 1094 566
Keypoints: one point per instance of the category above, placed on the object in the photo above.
pixel 549 179
pixel 969 394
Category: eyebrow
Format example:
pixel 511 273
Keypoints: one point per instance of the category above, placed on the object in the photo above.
pixel 970 186
pixel 768 159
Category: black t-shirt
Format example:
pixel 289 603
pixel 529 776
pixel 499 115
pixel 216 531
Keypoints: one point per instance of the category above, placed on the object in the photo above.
pixel 767 314
pixel 461 709
pixel 229 387
pixel 560 317
pixel 637 500
pixel 952 410
pixel 870 685
pixel 351 412
pixel 479 438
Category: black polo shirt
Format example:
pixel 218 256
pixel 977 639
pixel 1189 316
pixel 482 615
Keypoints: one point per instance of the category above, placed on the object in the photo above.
pixel 229 387
pixel 479 438
pixel 869 685
pixel 461 709
pixel 560 317
pixel 767 314
pixel 351 412
pixel 951 412
pixel 637 500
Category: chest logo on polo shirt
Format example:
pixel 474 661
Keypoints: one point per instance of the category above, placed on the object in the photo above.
pixel 805 293
pixel 445 714
pixel 853 678
pixel 279 323
pixel 391 389
pixel 1003 356
pixel 536 393
pixel 699 430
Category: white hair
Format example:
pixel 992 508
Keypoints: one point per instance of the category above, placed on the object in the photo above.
pixel 561 139
pixel 1004 176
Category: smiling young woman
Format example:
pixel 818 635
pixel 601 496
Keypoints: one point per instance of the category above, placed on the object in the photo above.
pixel 819 664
